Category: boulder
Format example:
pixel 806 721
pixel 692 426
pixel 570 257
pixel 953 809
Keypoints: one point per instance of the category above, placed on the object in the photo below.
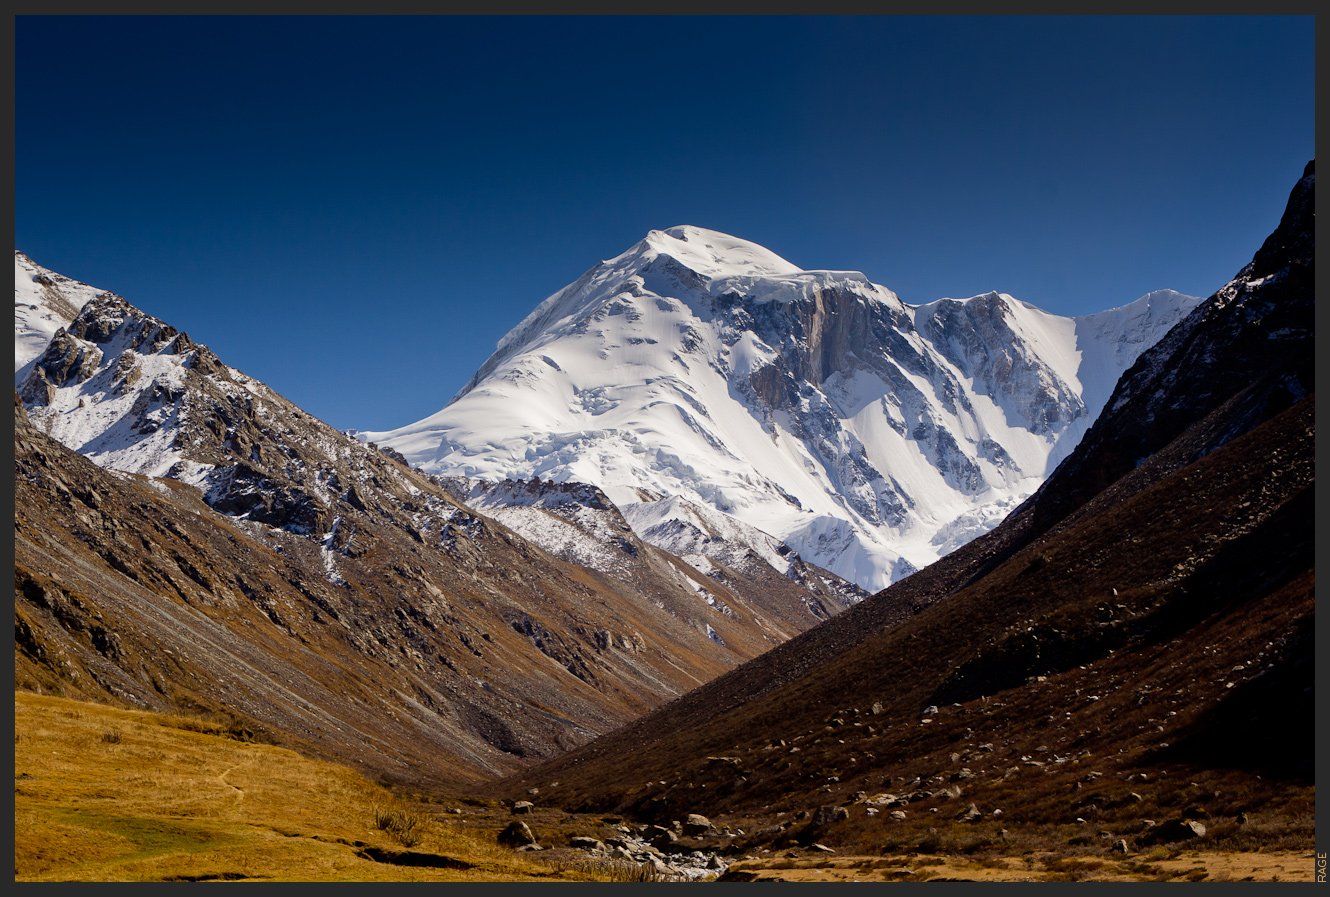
pixel 582 842
pixel 1179 830
pixel 517 834
pixel 522 807
pixel 662 838
pixel 696 825
pixel 969 814
pixel 828 814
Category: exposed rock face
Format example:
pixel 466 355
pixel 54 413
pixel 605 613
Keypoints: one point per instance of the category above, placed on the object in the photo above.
pixel 297 555
pixel 697 370
pixel 977 337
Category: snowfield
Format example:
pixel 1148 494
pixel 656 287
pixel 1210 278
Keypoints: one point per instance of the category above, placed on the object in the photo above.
pixel 700 374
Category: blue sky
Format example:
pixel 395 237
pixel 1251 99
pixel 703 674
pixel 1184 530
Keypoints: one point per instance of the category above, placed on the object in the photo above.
pixel 355 209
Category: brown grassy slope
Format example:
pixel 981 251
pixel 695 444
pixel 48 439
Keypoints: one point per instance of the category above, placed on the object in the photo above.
pixel 431 664
pixel 107 794
pixel 1212 568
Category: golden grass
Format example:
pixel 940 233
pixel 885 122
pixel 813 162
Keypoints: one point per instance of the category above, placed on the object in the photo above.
pixel 165 798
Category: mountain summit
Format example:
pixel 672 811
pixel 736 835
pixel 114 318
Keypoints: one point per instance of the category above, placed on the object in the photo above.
pixel 697 370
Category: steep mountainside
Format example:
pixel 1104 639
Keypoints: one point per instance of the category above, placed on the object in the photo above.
pixel 1133 643
pixel 697 373
pixel 579 523
pixel 43 303
pixel 239 554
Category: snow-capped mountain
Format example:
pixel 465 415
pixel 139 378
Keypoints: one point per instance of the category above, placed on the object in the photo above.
pixel 44 301
pixel 698 373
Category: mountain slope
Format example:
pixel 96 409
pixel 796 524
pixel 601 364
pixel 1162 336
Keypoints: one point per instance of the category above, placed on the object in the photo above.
pixel 580 524
pixel 239 554
pixel 44 301
pixel 1090 662
pixel 868 435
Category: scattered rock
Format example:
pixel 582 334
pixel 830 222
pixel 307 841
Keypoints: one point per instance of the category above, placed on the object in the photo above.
pixel 522 807
pixel 1120 846
pixel 969 814
pixel 583 842
pixel 821 848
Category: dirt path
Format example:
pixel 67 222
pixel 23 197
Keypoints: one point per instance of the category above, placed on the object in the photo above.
pixel 221 777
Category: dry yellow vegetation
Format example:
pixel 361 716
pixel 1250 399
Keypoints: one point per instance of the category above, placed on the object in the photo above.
pixel 104 794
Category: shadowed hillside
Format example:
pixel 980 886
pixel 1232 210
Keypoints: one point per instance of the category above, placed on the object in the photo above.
pixel 1083 671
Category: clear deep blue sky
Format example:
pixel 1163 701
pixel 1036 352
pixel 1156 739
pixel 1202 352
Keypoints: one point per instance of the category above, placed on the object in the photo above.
pixel 354 210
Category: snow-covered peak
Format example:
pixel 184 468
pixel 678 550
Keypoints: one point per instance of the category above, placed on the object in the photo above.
pixel 44 301
pixel 712 253
pixel 700 371
pixel 686 264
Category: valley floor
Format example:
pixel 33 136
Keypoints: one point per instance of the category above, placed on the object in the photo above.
pixel 106 794
pixel 1183 865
